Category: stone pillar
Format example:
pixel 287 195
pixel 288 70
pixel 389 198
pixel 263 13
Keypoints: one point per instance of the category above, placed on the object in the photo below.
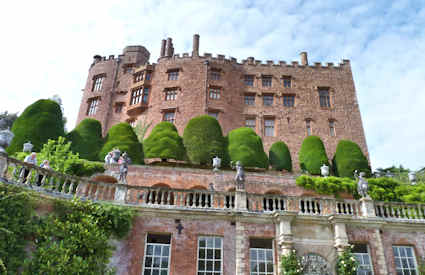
pixel 3 164
pixel 240 200
pixel 241 248
pixel 195 50
pixel 367 207
pixel 304 59
pixel 284 235
pixel 380 256
pixel 120 192
pixel 341 238
pixel 163 45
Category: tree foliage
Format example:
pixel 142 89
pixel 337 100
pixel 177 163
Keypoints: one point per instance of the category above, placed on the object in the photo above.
pixel 122 136
pixel 280 157
pixel 203 139
pixel 87 139
pixel 312 155
pixel 38 123
pixel 245 146
pixel 59 154
pixel 348 158
pixel 164 142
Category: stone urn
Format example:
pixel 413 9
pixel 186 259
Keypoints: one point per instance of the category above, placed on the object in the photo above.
pixel 412 178
pixel 216 163
pixel 324 170
pixel 27 147
pixel 116 153
pixel 6 137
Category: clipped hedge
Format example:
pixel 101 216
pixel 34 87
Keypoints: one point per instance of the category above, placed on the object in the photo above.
pixel 87 139
pixel 164 142
pixel 203 139
pixel 279 156
pixel 312 155
pixel 245 146
pixel 122 136
pixel 85 168
pixel 328 185
pixel 39 122
pixel 348 158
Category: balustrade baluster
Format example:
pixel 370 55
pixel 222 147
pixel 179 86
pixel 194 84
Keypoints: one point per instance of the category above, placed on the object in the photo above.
pixel 96 194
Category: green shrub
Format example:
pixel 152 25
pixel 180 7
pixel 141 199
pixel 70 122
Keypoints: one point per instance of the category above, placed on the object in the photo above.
pixel 245 146
pixel 122 136
pixel 348 158
pixel 328 185
pixel 86 168
pixel 164 142
pixel 203 139
pixel 386 189
pixel 279 156
pixel 87 139
pixel 312 155
pixel 38 123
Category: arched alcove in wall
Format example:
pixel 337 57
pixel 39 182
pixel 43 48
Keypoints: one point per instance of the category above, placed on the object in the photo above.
pixel 315 264
pixel 160 194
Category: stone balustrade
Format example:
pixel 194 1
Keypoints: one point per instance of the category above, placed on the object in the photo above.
pixel 67 186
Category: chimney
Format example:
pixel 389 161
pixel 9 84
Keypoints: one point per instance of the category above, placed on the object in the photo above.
pixel 97 58
pixel 169 47
pixel 195 51
pixel 304 60
pixel 163 44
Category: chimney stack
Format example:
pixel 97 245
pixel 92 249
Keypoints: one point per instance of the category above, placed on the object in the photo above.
pixel 304 60
pixel 169 47
pixel 163 44
pixel 195 51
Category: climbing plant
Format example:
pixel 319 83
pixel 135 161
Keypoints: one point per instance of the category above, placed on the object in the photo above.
pixel 291 264
pixel 346 263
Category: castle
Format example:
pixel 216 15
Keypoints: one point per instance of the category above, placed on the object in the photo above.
pixel 281 102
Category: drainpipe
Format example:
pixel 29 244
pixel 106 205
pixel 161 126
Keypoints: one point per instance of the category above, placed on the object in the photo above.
pixel 206 63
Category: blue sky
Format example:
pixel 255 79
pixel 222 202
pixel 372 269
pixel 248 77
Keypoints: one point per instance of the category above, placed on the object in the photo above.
pixel 48 46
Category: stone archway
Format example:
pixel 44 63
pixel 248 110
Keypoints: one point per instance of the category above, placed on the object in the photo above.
pixel 314 264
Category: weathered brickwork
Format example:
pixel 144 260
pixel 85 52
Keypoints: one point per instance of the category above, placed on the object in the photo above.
pixel 193 76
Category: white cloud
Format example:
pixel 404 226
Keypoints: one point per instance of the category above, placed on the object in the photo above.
pixel 48 46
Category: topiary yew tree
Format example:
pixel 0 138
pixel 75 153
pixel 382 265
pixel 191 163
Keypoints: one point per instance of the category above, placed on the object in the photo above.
pixel 122 136
pixel 164 142
pixel 245 146
pixel 87 139
pixel 203 139
pixel 348 158
pixel 39 122
pixel 312 155
pixel 279 156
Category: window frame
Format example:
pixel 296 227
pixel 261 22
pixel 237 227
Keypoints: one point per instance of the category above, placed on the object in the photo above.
pixel 265 80
pixel 415 261
pixel 168 113
pixel 332 130
pixel 249 95
pixel 215 74
pixel 119 107
pixel 361 255
pixel 290 101
pixel 249 80
pixel 139 76
pixel 160 244
pixel 270 96
pixel 287 81
pixel 170 95
pixel 265 254
pixel 91 110
pixel 251 119
pixel 221 272
pixel 267 127
pixel 324 100
pixel 173 75
pixel 214 93
pixel 97 86
pixel 308 128
pixel 136 99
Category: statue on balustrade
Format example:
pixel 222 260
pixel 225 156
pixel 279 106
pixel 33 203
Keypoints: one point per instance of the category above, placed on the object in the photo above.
pixel 124 161
pixel 240 175
pixel 6 136
pixel 362 184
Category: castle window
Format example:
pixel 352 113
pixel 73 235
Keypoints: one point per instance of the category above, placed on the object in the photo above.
pixel 136 96
pixel 324 97
pixel 93 103
pixel 97 83
pixel 249 99
pixel 261 256
pixel 210 255
pixel 332 128
pixel 266 81
pixel 138 77
pixel 405 260
pixel 267 100
pixel 308 127
pixel 215 93
pixel 215 75
pixel 118 107
pixel 250 123
pixel 169 116
pixel 213 114
pixel 170 95
pixel 157 254
pixel 132 122
pixel 249 80
pixel 286 81
pixel 145 95
pixel 148 76
pixel 173 75
pixel 361 253
pixel 269 127
pixel 289 100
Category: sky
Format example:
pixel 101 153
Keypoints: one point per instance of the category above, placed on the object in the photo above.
pixel 48 46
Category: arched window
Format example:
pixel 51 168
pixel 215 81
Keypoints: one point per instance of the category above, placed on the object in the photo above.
pixel 314 264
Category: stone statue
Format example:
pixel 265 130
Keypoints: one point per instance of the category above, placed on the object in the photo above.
pixel 108 158
pixel 324 170
pixel 412 178
pixel 240 175
pixel 27 147
pixel 115 155
pixel 216 163
pixel 124 162
pixel 6 137
pixel 362 184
